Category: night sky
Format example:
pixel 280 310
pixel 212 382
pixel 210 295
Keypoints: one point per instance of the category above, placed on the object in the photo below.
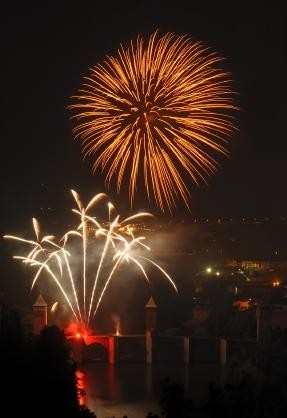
pixel 46 52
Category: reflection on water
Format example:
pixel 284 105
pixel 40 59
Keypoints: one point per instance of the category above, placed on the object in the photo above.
pixel 80 376
pixel 134 389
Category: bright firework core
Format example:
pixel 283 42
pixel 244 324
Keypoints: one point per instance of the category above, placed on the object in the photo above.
pixel 156 110
pixel 104 247
pixel 146 108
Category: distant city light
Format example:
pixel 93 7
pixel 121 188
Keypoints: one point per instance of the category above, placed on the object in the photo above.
pixel 276 283
pixel 217 273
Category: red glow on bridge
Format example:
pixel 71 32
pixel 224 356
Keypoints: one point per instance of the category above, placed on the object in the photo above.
pixel 77 331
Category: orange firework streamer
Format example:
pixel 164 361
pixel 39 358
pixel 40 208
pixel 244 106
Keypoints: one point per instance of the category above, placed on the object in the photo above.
pixel 156 110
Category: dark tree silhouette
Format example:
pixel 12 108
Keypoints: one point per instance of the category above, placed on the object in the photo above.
pixel 37 374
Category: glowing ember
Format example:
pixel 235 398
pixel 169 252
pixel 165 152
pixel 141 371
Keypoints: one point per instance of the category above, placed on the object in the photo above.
pixel 54 307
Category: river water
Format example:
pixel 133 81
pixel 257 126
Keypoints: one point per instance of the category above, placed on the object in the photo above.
pixel 134 389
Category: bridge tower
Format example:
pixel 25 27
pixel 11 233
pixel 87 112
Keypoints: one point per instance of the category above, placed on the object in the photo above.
pixel 40 318
pixel 150 310
pixel 151 313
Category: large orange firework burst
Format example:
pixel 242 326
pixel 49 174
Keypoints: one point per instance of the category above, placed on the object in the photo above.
pixel 154 111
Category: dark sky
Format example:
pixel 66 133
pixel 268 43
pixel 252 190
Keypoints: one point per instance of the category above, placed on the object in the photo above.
pixel 46 51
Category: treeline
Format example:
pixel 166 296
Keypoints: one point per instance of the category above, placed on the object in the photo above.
pixel 38 379
pixel 37 373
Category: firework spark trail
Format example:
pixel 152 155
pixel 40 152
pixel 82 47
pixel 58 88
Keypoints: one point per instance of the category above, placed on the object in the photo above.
pixel 109 239
pixel 159 110
pixel 45 265
pixel 107 242
pixel 120 257
pixel 123 255
pixel 54 306
pixel 83 211
pixel 72 283
pixel 65 253
pixel 83 223
pixel 111 207
pixel 55 258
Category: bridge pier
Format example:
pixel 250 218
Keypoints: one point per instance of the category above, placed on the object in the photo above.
pixel 115 348
pixel 186 352
pixel 111 345
pixel 223 350
pixel 148 345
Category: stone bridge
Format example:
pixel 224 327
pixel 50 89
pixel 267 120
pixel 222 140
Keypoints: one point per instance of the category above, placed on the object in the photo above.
pixel 150 348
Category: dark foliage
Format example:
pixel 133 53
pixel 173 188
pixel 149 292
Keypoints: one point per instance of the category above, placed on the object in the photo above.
pixel 37 373
pixel 173 403
pixel 38 380
pixel 254 388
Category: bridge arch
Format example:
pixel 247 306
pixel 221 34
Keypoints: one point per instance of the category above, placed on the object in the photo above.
pixel 107 342
pixel 98 339
pixel 80 345
pixel 95 352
